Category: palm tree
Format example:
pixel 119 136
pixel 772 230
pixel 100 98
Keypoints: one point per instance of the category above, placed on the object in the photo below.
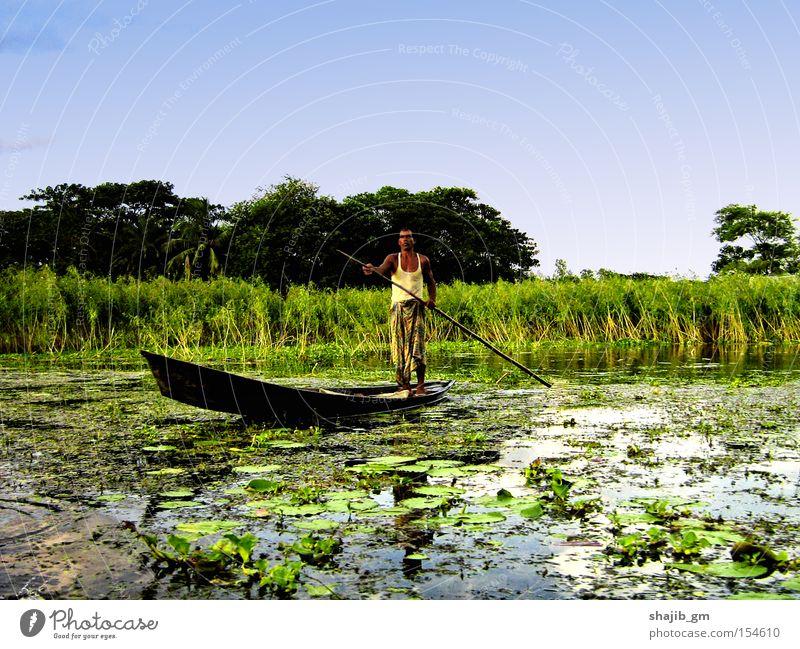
pixel 195 240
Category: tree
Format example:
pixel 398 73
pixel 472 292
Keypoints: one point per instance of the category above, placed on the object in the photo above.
pixel 469 240
pixel 53 234
pixel 280 235
pixel 774 247
pixel 136 220
pixel 195 244
pixel 563 273
pixel 113 229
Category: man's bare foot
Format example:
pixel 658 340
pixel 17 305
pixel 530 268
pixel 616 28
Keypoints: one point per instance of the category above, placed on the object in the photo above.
pixel 421 390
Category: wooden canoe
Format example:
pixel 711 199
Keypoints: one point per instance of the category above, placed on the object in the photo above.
pixel 256 400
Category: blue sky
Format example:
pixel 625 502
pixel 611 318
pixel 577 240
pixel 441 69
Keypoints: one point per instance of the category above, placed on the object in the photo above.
pixel 610 132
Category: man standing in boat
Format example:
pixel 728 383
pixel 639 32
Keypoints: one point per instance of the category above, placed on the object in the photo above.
pixel 410 270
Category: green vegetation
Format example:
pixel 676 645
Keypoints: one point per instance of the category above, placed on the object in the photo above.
pixel 557 501
pixel 690 543
pixel 774 247
pixel 41 311
pixel 285 235
pixel 228 562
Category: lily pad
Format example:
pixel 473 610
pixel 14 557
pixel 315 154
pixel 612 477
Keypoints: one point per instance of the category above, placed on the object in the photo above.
pixel 434 464
pixel 167 471
pixel 111 498
pixel 361 529
pixel 504 500
pixel 370 469
pixel 734 570
pixel 719 537
pixel 206 528
pixel 791 584
pixel 422 466
pixel 262 485
pixel 338 506
pixel 416 467
pixel 436 490
pixel 521 503
pixel 256 468
pixel 344 506
pixel 417 556
pixel 449 472
pixel 317 525
pixel 161 447
pixel 534 511
pixel 464 470
pixel 319 591
pixel 177 493
pixel 472 518
pixel 310 509
pixel 178 504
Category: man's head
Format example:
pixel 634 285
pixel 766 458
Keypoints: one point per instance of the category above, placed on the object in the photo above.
pixel 406 240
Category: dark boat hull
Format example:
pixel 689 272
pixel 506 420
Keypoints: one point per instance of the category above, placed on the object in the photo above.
pixel 256 400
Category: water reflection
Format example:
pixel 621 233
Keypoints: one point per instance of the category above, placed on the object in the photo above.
pixel 658 360
pixel 555 360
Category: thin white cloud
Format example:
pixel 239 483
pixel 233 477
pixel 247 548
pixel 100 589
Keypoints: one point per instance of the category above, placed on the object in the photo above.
pixel 23 145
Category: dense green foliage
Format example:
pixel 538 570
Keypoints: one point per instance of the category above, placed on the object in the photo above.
pixel 286 235
pixel 774 247
pixel 41 311
pixel 141 229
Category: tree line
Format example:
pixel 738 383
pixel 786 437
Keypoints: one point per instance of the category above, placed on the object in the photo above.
pixel 286 234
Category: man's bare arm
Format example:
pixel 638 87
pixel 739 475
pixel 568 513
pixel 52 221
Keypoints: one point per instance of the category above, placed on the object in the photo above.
pixel 386 266
pixel 427 276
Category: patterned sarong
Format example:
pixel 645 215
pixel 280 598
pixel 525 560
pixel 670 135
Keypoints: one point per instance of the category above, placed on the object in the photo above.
pixel 408 338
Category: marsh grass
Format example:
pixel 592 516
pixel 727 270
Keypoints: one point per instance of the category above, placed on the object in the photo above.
pixel 42 312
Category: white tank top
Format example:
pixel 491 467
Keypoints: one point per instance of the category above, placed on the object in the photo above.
pixel 411 281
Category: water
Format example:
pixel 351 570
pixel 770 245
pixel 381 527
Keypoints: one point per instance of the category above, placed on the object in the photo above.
pixel 712 434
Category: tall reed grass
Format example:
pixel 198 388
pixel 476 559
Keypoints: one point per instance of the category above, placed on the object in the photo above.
pixel 40 311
